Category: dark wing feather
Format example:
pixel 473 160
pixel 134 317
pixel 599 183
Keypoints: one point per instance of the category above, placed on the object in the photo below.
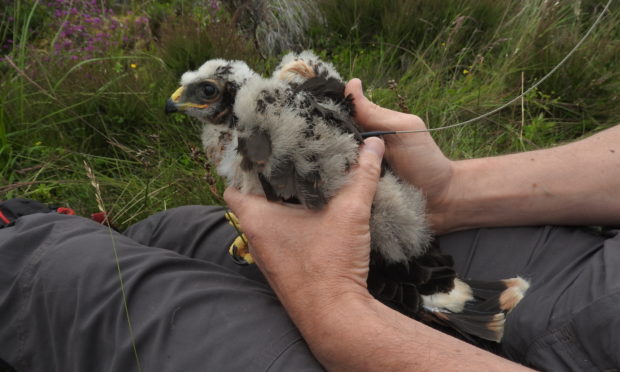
pixel 270 193
pixel 310 187
pixel 255 149
pixel 321 89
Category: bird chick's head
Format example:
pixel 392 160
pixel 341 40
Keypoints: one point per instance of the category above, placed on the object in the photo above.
pixel 208 93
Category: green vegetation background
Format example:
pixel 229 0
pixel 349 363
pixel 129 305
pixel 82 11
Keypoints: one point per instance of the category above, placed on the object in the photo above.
pixel 83 83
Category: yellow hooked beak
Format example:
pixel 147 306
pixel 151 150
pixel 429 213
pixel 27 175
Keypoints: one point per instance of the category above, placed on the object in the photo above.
pixel 177 95
pixel 173 105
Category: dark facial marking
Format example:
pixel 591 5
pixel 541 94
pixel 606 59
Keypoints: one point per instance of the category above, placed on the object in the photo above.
pixel 223 71
pixel 223 112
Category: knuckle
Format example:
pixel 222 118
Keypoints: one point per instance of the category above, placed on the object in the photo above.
pixel 370 165
pixel 415 120
pixel 374 169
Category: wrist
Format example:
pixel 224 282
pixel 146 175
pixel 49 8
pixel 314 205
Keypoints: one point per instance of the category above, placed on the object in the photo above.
pixel 443 201
pixel 458 205
pixel 314 302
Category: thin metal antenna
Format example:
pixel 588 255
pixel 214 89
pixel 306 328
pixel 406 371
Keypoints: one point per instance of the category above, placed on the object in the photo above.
pixel 553 70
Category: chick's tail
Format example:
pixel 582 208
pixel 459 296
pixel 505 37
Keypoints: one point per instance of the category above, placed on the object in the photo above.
pixel 476 308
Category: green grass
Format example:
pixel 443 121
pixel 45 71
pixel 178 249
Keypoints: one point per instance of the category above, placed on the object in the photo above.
pixel 449 60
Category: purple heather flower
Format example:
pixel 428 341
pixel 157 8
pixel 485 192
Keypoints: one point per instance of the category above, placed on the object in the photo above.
pixel 86 30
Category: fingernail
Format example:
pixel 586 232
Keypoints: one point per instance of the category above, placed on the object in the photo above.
pixel 375 145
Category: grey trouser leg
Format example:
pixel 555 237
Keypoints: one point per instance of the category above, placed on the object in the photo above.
pixel 61 306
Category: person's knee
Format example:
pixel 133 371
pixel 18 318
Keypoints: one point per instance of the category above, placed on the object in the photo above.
pixel 51 257
pixel 80 249
pixel 175 223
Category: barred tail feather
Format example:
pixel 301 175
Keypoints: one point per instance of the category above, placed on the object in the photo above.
pixel 477 308
pixel 486 326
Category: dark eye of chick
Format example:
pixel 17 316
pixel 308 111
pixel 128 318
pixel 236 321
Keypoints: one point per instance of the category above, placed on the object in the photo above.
pixel 210 91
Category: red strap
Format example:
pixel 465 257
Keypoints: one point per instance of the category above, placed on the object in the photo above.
pixel 4 219
pixel 64 210
pixel 99 217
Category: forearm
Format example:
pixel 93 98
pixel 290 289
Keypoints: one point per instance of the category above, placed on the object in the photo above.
pixel 360 334
pixel 578 183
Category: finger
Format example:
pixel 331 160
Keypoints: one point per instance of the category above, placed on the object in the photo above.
pixel 374 117
pixel 243 204
pixel 362 185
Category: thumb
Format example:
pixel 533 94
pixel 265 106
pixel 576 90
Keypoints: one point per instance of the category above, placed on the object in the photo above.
pixel 374 117
pixel 362 185
pixel 367 113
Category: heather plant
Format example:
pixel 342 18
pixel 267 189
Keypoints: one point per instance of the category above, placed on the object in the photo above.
pixel 86 29
pixel 86 86
pixel 71 30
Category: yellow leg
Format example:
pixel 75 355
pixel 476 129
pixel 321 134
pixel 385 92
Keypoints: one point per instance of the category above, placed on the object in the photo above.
pixel 239 248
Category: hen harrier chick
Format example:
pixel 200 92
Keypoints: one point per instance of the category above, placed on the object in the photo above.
pixel 292 137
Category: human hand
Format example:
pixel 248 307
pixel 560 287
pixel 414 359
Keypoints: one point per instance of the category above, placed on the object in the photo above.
pixel 415 156
pixel 314 258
